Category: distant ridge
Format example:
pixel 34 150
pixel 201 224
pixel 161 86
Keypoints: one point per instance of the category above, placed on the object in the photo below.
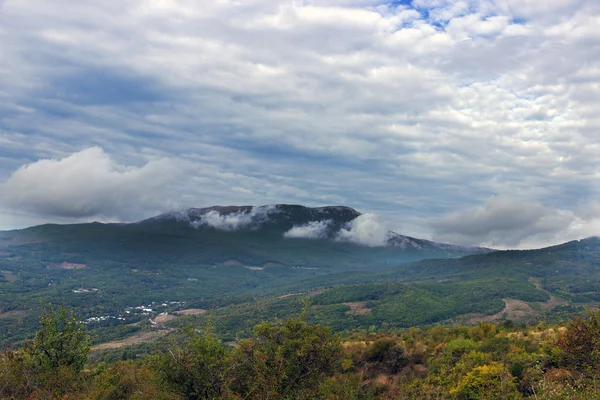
pixel 403 242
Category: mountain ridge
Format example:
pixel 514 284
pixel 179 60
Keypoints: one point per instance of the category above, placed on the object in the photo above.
pixel 294 215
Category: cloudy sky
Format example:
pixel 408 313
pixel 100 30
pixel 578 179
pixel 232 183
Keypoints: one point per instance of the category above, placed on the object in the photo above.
pixel 473 122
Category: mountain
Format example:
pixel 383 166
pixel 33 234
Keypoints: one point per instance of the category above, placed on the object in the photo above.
pixel 206 257
pixel 288 235
pixel 406 242
pixel 300 222
pixel 282 217
pixel 249 264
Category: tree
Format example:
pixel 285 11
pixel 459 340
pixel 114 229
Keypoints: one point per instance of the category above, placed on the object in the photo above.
pixel 50 365
pixel 580 344
pixel 61 340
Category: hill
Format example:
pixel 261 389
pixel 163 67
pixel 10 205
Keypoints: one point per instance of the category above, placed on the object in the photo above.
pixel 522 286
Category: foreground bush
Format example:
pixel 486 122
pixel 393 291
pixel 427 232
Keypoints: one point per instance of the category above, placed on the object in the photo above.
pixel 49 366
pixel 287 360
pixel 196 370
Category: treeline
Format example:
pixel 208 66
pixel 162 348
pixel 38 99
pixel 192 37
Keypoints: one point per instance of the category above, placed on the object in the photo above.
pixel 293 359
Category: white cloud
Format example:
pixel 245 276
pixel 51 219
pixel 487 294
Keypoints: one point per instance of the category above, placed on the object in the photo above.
pixel 365 229
pixel 90 183
pixel 311 230
pixel 235 221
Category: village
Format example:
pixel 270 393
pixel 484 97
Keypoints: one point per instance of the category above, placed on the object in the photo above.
pixel 134 313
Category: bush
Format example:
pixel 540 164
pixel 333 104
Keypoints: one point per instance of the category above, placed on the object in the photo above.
pixel 128 380
pixel 388 354
pixel 286 360
pixel 490 381
pixel 196 370
pixel 580 344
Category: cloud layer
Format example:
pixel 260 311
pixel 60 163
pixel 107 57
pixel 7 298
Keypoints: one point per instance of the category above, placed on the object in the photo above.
pixel 410 110
pixel 506 222
pixel 365 230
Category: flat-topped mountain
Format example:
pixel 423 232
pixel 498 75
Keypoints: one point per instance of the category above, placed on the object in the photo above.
pixel 337 223
pixel 296 214
pixel 282 217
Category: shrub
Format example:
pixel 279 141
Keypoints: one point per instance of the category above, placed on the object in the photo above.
pixel 388 354
pixel 287 360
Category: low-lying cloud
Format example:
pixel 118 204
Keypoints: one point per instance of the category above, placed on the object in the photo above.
pixel 366 230
pixel 89 183
pixel 311 230
pixel 234 221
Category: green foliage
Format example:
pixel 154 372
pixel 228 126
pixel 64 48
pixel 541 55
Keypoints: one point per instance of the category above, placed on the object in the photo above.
pixel 128 380
pixel 61 340
pixel 286 360
pixel 293 359
pixel 345 387
pixel 18 375
pixel 486 382
pixel 50 365
pixel 197 369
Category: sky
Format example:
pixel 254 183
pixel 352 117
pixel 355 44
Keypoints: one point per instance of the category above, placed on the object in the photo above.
pixel 469 122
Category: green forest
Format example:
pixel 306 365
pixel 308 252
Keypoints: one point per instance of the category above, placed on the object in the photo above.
pixel 294 359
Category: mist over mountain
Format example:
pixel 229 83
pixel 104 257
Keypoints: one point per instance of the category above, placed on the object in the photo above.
pixel 336 237
pixel 282 217
pixel 335 223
